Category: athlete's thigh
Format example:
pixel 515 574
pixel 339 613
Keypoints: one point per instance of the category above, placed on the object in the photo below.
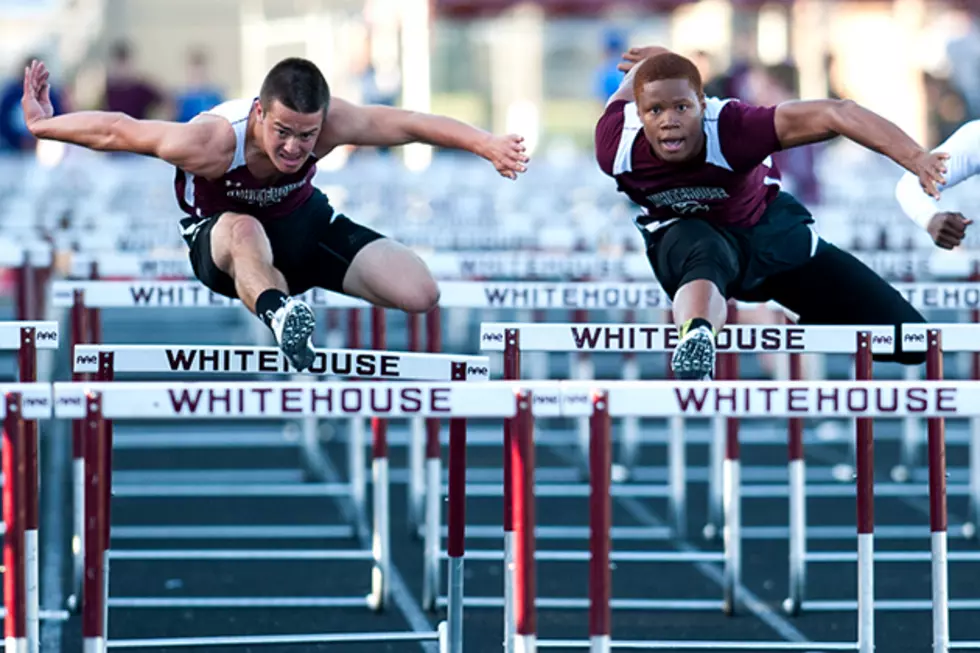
pixel 692 249
pixel 836 288
pixel 386 272
pixel 200 235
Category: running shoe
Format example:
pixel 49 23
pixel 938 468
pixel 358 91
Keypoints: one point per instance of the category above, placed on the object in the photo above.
pixel 293 326
pixel 694 357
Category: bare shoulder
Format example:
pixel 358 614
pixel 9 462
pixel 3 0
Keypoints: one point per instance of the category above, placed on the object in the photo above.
pixel 215 138
pixel 341 124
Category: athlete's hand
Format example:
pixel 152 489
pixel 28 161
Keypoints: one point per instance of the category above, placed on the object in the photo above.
pixel 930 168
pixel 36 102
pixel 634 56
pixel 948 229
pixel 506 153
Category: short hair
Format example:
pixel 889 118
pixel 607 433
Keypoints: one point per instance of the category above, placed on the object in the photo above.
pixel 298 84
pixel 667 65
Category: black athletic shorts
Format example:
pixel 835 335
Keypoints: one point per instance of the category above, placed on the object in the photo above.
pixel 313 247
pixel 780 259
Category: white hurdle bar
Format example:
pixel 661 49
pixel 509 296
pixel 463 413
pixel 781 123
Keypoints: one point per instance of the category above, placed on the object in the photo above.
pixel 103 362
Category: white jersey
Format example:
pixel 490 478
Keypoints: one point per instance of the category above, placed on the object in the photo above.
pixel 963 148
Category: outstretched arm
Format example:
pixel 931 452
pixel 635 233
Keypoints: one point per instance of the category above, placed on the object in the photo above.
pixel 349 124
pixel 191 146
pixel 946 228
pixel 629 64
pixel 801 122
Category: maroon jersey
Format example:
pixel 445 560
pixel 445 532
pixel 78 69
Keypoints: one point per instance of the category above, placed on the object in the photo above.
pixel 731 182
pixel 237 190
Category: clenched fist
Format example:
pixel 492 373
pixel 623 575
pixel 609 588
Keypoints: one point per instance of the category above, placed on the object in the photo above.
pixel 948 229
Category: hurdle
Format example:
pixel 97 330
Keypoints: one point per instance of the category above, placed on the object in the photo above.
pixel 104 362
pixel 864 400
pixel 23 403
pixel 97 402
pixel 514 339
pixel 955 338
pixel 27 338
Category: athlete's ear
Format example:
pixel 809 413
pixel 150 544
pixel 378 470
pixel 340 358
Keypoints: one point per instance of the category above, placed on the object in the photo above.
pixel 259 113
pixel 702 102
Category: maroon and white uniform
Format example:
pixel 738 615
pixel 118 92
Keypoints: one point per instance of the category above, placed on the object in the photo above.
pixel 237 190
pixel 731 183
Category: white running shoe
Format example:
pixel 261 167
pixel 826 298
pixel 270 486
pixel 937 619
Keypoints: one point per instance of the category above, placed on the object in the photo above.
pixel 694 357
pixel 293 326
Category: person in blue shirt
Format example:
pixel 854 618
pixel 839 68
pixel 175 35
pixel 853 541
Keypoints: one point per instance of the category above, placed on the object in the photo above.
pixel 201 94
pixel 609 77
pixel 14 135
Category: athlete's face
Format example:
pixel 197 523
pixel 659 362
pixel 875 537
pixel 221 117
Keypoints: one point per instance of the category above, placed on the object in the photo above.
pixel 288 136
pixel 671 111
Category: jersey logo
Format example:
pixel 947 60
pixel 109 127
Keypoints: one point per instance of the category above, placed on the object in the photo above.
pixel 689 207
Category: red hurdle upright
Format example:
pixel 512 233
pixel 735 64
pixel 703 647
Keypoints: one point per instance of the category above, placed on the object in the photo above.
pixel 379 484
pixel 15 500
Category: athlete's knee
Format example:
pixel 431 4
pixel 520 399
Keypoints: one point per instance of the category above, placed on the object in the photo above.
pixel 243 231
pixel 421 296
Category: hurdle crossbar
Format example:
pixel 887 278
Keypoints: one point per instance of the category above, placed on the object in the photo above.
pixel 769 338
pixel 359 363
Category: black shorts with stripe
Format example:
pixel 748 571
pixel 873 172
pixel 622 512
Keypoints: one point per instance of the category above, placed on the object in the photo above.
pixel 780 259
pixel 312 247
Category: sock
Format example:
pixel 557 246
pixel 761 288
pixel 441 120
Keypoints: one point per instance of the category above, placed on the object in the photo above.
pixel 694 323
pixel 268 303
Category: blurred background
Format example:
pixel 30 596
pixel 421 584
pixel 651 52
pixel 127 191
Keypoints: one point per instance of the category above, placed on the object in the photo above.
pixel 543 68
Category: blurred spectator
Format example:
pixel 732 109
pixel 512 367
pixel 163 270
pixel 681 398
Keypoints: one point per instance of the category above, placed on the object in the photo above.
pixel 125 90
pixel 14 135
pixel 608 78
pixel 772 85
pixel 201 94
pixel 964 60
pixel 946 109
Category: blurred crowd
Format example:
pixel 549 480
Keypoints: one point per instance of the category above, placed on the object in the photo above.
pixel 127 90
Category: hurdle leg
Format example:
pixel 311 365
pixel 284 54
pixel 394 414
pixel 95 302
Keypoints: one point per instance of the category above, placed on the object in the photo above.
pixel 14 515
pixel 381 540
pixel 510 623
pixel 797 503
pixel 27 373
pixel 864 472
pixel 512 371
pixel 973 510
pixel 584 369
pixel 911 438
pixel 715 479
pixel 93 605
pixel 938 518
pixel 356 463
pixel 457 531
pixel 522 495
pixel 732 503
pixel 630 444
pixel 80 334
pixel 600 524
pixel 433 515
pixel 416 490
pixel 677 468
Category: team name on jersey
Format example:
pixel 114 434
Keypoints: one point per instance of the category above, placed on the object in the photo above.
pixel 684 201
pixel 264 196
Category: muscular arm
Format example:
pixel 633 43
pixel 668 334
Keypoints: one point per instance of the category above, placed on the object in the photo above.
pixel 812 121
pixel 372 125
pixel 195 147
pixel 963 148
